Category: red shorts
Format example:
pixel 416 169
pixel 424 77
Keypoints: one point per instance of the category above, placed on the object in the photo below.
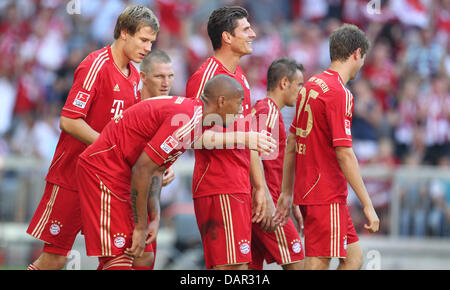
pixel 57 219
pixel 225 225
pixel 107 217
pixel 282 246
pixel 328 230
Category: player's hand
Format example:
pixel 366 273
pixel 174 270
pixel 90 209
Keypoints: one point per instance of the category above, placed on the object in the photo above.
pixel 267 224
pixel 372 217
pixel 260 142
pixel 283 209
pixel 152 231
pixel 168 177
pixel 298 218
pixel 138 243
pixel 258 205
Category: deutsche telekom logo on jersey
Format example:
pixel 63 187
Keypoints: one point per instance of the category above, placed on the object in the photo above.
pixel 117 108
pixel 236 126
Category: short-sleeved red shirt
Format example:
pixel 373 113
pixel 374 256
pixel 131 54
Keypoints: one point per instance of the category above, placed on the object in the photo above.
pixel 267 119
pixel 322 122
pixel 221 171
pixel 162 127
pixel 100 92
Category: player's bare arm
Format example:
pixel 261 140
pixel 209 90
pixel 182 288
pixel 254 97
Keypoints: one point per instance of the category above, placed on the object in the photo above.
pixel 284 204
pixel 260 190
pixel 145 190
pixel 349 165
pixel 251 140
pixel 79 129
pixel 267 224
pixel 153 208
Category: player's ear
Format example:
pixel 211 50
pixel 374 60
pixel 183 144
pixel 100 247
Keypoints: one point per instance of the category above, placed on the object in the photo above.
pixel 220 101
pixel 142 75
pixel 226 37
pixel 123 34
pixel 357 54
pixel 284 83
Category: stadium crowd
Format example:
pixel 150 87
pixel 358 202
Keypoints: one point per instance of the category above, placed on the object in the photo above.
pixel 402 99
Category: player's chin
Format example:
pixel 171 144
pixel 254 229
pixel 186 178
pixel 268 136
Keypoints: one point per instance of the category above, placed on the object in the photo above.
pixel 138 58
pixel 248 51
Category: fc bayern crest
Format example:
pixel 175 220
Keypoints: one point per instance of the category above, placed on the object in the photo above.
pixel 296 246
pixel 55 227
pixel 244 247
pixel 119 240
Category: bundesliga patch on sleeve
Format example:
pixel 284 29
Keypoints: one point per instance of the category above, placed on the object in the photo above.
pixel 348 130
pixel 169 144
pixel 81 100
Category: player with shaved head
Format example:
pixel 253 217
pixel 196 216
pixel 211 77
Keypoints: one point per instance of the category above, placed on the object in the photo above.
pixel 120 175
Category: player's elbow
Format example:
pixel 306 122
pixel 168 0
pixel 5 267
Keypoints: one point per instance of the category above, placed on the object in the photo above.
pixel 344 154
pixel 64 124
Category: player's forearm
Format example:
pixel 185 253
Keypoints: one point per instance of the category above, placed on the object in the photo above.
pixel 79 129
pixel 350 168
pixel 289 166
pixel 140 185
pixel 256 172
pixel 154 208
pixel 146 182
pixel 219 140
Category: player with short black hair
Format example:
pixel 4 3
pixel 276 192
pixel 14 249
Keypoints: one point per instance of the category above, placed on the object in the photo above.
pixel 272 242
pixel 224 203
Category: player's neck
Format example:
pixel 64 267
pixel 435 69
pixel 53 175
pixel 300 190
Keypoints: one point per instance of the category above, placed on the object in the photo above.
pixel 275 99
pixel 343 69
pixel 144 94
pixel 119 57
pixel 228 59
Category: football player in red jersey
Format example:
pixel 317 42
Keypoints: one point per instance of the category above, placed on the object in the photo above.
pixel 157 76
pixel 119 175
pixel 319 152
pixel 272 242
pixel 105 84
pixel 224 203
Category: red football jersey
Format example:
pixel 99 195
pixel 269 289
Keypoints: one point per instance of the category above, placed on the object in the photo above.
pixel 214 169
pixel 100 92
pixel 323 122
pixel 267 119
pixel 163 127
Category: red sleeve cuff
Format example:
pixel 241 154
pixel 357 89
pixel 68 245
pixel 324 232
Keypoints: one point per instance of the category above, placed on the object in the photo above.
pixel 344 142
pixel 69 113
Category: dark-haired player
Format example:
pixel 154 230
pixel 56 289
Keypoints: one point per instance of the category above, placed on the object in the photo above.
pixel 224 204
pixel 272 242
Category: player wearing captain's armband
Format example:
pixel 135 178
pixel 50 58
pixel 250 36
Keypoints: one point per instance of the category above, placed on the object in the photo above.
pixel 319 153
